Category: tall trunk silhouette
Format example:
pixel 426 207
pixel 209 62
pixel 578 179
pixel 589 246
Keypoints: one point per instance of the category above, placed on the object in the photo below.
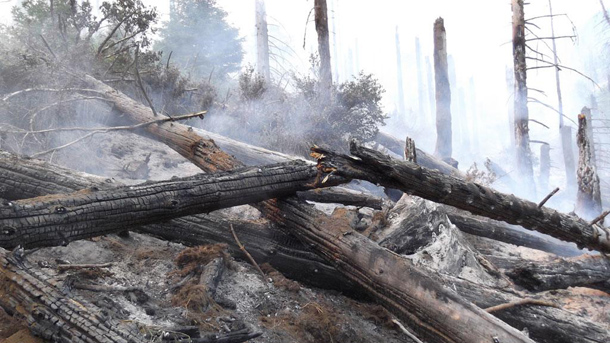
pixel 443 93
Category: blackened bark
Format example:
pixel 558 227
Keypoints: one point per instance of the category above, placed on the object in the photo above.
pixel 429 184
pixel 52 315
pixel 59 219
pixel 588 271
pixel 588 201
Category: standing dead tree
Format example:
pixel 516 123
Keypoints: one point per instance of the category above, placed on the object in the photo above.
pixel 326 78
pixel 262 41
pixel 588 201
pixel 521 117
pixel 443 93
pixel 401 92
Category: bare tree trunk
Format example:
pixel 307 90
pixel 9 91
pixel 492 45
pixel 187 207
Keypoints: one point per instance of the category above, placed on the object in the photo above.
pixel 420 81
pixel 588 200
pixel 326 78
pixel 510 86
pixel 431 95
pixel 545 167
pixel 443 93
pixel 262 41
pixel 401 92
pixel 522 138
pixel 566 141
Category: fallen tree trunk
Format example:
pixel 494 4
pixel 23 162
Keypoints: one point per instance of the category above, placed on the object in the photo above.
pixel 587 271
pixel 434 312
pixel 52 315
pixel 429 184
pixel 342 196
pixel 500 231
pixel 267 243
pixel 59 219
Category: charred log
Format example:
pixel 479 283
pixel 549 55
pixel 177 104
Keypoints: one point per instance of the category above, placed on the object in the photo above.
pixel 434 313
pixel 342 196
pixel 59 219
pixel 588 271
pixel 51 315
pixel 380 169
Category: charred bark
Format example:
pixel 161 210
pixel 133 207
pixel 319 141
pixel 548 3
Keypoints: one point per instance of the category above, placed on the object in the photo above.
pixel 588 271
pixel 51 315
pixel 522 138
pixel 434 313
pixel 588 201
pixel 288 255
pixel 59 219
pixel 443 93
pixel 377 168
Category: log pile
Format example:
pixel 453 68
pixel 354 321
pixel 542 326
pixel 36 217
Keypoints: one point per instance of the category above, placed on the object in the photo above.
pixel 414 258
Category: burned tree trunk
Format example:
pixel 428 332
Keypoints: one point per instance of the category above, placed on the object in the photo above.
pixel 59 219
pixel 522 139
pixel 262 41
pixel 420 81
pixel 326 78
pixel 377 168
pixel 545 167
pixel 588 201
pixel 52 315
pixel 566 137
pixel 401 92
pixel 440 315
pixel 589 271
pixel 268 244
pixel 443 93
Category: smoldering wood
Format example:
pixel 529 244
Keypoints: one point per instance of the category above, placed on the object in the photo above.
pixel 198 158
pixel 59 219
pixel 287 254
pixel 591 271
pixel 52 315
pixel 588 198
pixel 521 114
pixel 413 179
pixel 443 93
pixel 453 261
pixel 434 313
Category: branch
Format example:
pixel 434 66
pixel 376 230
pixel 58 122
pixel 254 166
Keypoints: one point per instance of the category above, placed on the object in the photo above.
pixel 534 100
pixel 243 249
pixel 27 90
pixel 568 68
pixel 99 49
pixel 601 2
pixel 520 302
pixel 537 122
pixel 553 37
pixel 139 79
pixel 546 198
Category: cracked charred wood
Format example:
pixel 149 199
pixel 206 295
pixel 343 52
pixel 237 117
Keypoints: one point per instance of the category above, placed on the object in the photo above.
pixel 200 161
pixel 266 242
pixel 588 199
pixel 544 324
pixel 433 312
pixel 59 219
pixel 591 271
pixel 429 184
pixel 342 196
pixel 28 292
pixel 288 255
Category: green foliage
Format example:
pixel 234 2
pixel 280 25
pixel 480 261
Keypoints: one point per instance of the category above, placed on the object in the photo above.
pixel 200 39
